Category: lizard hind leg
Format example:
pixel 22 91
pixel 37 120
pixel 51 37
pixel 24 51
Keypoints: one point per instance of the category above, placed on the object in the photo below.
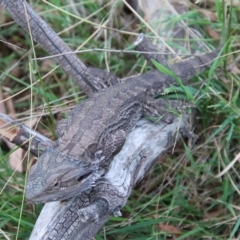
pixel 164 109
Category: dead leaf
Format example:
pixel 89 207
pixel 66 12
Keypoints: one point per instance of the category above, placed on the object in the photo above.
pixel 9 105
pixel 235 69
pixel 212 215
pixel 16 157
pixel 213 34
pixel 46 65
pixel 208 14
pixel 170 229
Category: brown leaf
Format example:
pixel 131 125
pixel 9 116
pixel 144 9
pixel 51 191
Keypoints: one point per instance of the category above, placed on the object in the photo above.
pixel 46 65
pixel 235 69
pixel 212 215
pixel 170 229
pixel 213 34
pixel 210 15
pixel 16 157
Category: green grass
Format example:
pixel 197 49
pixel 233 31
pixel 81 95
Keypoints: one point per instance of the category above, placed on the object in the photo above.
pixel 183 190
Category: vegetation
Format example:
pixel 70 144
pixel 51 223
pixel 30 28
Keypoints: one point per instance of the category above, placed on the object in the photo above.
pixel 191 194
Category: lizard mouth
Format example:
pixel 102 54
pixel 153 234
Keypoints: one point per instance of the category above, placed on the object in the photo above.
pixel 71 184
pixel 65 189
pixel 77 181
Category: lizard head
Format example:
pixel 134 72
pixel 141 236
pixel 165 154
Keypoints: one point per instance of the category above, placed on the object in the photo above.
pixel 60 178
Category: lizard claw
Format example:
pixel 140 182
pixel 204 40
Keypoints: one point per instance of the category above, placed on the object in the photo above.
pixel 88 214
pixel 116 212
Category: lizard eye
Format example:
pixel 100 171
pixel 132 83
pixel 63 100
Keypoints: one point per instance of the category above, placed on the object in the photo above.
pixel 55 184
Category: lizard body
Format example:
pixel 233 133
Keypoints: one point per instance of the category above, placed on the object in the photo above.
pixel 97 128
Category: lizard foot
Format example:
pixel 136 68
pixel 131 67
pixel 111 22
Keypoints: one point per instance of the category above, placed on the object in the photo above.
pixel 116 212
pixel 91 213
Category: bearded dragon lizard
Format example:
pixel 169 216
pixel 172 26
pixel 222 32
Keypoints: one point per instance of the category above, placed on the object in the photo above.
pixel 97 129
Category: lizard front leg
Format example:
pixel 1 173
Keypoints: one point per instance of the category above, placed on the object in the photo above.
pixel 164 109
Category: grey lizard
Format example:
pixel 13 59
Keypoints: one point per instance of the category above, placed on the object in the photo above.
pixel 96 130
